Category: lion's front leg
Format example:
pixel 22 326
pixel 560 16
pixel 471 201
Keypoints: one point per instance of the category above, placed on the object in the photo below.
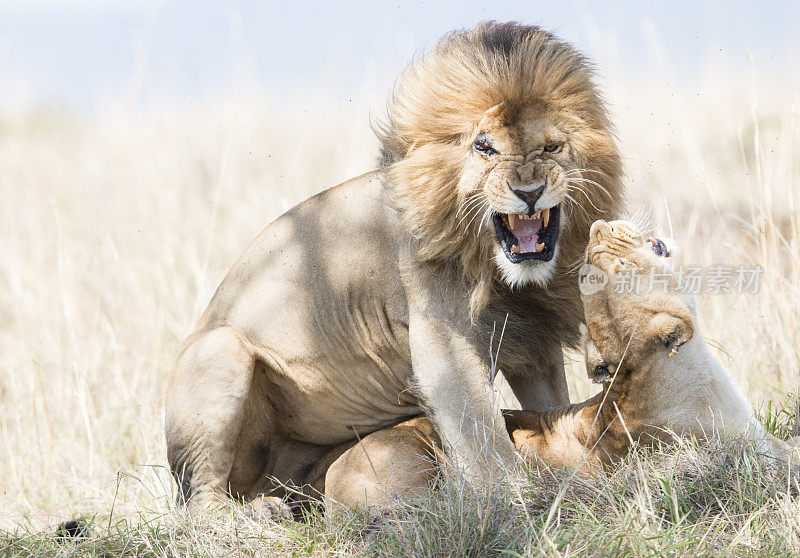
pixel 542 386
pixel 453 382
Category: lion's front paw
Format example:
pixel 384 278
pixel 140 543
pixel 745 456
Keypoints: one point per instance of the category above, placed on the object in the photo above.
pixel 269 507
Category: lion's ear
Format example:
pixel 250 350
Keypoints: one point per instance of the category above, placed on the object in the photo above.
pixel 496 111
pixel 671 330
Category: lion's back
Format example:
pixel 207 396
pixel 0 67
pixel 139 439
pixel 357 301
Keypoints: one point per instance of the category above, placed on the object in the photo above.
pixel 336 245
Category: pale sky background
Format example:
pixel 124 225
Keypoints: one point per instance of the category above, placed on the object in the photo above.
pixel 86 54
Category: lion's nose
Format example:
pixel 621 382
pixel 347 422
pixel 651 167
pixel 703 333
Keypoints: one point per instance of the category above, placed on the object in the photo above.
pixel 526 173
pixel 530 197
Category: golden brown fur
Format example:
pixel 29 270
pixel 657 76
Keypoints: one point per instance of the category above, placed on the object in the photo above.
pixel 377 299
pixel 658 380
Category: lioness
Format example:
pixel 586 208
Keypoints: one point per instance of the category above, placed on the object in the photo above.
pixel 644 347
pixel 376 300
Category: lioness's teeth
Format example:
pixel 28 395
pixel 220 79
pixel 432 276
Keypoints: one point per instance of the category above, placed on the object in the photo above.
pixel 511 220
pixel 539 247
pixel 515 249
pixel 545 217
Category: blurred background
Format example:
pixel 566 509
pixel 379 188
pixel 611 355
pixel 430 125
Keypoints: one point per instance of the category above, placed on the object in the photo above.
pixel 90 55
pixel 144 144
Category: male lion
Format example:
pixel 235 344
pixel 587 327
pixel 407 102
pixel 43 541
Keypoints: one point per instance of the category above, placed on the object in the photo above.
pixel 659 379
pixel 376 300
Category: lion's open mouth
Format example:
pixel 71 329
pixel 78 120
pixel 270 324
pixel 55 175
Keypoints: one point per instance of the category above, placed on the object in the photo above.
pixel 528 237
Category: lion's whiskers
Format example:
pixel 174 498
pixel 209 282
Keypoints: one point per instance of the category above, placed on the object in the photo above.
pixel 483 200
pixel 578 171
pixel 471 201
pixel 574 266
pixel 589 181
pixel 576 204
pixel 473 205
pixel 576 187
pixel 487 215
pixel 473 218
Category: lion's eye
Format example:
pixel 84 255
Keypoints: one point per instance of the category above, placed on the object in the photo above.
pixel 552 147
pixel 484 145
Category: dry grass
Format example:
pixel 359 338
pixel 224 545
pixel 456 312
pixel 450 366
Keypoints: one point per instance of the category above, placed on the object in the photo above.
pixel 115 231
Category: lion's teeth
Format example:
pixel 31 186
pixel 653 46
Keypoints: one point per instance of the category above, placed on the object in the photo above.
pixel 511 217
pixel 515 249
pixel 537 215
pixel 539 247
pixel 545 217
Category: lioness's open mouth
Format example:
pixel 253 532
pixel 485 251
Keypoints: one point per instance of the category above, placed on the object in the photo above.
pixel 528 237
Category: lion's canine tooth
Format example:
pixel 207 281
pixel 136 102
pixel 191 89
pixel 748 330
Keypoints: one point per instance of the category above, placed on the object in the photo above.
pixel 515 249
pixel 539 247
pixel 510 220
pixel 545 217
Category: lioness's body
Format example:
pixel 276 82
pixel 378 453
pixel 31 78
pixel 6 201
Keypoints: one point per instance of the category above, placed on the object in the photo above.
pixel 665 382
pixel 306 345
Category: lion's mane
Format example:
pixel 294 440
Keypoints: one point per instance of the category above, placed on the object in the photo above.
pixel 434 109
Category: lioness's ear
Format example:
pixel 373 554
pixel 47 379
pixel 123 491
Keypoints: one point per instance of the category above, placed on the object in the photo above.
pixel 671 330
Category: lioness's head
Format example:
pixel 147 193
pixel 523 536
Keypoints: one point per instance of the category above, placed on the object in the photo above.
pixel 641 311
pixel 620 245
pixel 500 154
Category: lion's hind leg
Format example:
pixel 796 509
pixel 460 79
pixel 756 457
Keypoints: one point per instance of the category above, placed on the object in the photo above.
pixel 209 399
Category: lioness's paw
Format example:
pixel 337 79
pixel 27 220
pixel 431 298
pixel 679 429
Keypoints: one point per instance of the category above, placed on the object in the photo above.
pixel 672 331
pixel 674 341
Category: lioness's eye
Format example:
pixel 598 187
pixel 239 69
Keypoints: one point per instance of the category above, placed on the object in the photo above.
pixel 484 145
pixel 658 247
pixel 552 147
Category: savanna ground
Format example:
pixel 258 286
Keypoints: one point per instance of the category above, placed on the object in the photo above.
pixel 115 230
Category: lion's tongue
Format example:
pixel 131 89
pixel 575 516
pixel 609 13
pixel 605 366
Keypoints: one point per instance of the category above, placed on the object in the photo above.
pixel 526 232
